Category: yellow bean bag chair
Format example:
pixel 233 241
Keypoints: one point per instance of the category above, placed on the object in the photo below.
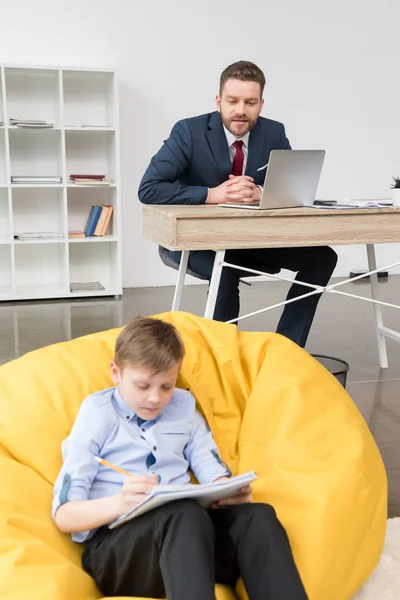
pixel 271 407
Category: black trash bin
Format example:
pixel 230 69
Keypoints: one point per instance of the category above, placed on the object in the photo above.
pixel 337 366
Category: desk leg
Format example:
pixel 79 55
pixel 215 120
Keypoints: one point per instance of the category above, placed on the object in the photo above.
pixel 176 302
pixel 383 361
pixel 214 284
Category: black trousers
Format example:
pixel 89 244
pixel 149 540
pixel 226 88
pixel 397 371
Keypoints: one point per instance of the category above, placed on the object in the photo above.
pixel 313 265
pixel 181 549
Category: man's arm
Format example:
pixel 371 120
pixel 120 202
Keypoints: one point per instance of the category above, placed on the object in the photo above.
pixel 160 183
pixel 284 142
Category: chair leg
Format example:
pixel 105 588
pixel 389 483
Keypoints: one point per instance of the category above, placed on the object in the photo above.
pixel 373 278
pixel 176 302
pixel 214 284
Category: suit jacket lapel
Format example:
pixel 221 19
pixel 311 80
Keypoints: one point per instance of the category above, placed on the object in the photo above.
pixel 256 146
pixel 219 148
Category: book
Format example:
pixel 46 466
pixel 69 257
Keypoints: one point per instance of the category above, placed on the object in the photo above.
pixel 86 286
pixel 29 121
pixel 76 234
pixel 35 125
pixel 36 179
pixel 101 221
pixel 110 210
pixel 94 220
pixel 94 182
pixel 39 235
pixel 205 494
pixel 87 176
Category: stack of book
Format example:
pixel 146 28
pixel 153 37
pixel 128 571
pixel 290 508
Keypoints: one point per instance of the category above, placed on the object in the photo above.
pixel 76 234
pixel 31 123
pixel 39 235
pixel 35 179
pixel 98 220
pixel 86 286
pixel 92 179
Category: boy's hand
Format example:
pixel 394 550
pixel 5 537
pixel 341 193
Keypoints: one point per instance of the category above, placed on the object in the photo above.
pixel 244 496
pixel 135 489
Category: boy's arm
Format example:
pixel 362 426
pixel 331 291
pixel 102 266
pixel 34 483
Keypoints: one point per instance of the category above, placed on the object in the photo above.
pixel 79 468
pixel 202 453
pixel 72 510
pixel 84 515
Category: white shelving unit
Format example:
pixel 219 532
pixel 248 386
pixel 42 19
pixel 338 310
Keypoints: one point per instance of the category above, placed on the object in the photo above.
pixel 83 106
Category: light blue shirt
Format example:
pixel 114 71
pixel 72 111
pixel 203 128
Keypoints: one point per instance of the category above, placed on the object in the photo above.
pixel 178 439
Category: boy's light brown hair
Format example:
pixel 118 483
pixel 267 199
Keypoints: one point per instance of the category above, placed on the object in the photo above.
pixel 149 343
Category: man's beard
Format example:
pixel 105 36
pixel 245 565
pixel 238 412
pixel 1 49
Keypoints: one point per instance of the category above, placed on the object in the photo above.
pixel 240 131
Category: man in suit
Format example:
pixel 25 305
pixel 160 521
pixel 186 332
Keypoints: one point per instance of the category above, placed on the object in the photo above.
pixel 214 158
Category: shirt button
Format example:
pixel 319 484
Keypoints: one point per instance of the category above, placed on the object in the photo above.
pixel 143 429
pixel 127 417
pixel 154 448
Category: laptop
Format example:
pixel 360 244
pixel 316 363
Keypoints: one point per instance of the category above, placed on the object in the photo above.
pixel 291 180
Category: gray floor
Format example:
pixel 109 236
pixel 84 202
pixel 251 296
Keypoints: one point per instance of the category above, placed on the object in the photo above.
pixel 343 327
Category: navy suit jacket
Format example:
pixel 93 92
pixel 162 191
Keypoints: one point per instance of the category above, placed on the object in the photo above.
pixel 195 157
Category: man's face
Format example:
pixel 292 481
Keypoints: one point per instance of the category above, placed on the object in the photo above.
pixel 240 105
pixel 142 390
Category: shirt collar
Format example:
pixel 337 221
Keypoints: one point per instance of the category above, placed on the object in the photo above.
pixel 230 138
pixel 121 407
pixel 127 413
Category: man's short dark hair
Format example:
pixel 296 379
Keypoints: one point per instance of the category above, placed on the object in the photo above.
pixel 245 71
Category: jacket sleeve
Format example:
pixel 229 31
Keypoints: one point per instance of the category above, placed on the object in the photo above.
pixel 284 142
pixel 160 183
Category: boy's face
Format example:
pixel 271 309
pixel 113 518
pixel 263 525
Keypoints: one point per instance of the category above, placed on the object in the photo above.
pixel 142 390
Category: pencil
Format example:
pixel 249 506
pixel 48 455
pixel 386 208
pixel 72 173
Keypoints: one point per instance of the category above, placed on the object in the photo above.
pixel 106 463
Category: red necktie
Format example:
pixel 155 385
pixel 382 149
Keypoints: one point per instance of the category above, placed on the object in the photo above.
pixel 238 160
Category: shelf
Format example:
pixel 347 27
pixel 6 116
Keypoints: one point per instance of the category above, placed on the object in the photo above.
pixel 42 241
pixel 23 186
pixel 88 128
pixel 35 152
pixel 83 108
pixel 94 153
pixel 40 292
pixel 94 262
pixel 80 200
pixel 6 293
pixel 93 239
pixel 89 187
pixel 15 128
pixel 40 270
pixel 33 94
pixel 88 99
pixel 38 209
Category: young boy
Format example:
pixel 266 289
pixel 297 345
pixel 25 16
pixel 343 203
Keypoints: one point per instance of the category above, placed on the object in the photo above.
pixel 153 430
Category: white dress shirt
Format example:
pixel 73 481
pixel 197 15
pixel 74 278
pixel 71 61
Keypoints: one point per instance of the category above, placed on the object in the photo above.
pixel 230 139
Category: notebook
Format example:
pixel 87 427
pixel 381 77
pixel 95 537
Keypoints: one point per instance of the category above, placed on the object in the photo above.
pixel 205 494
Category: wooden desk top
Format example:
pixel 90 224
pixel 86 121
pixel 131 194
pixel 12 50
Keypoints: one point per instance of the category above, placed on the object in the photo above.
pixel 217 228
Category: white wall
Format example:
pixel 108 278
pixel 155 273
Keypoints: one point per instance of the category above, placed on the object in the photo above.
pixel 332 78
